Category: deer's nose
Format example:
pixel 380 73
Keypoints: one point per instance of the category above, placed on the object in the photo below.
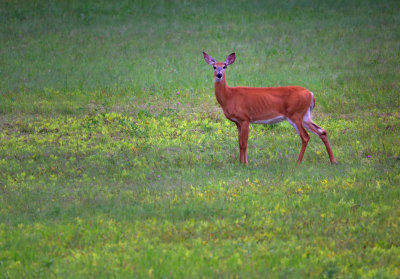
pixel 219 75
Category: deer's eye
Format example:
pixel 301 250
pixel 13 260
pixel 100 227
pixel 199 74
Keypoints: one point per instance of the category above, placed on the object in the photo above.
pixel 224 67
pixel 214 67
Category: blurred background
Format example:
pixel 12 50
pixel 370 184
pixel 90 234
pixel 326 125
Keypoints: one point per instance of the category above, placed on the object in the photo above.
pixel 346 52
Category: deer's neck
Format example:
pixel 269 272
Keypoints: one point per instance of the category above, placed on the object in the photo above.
pixel 222 91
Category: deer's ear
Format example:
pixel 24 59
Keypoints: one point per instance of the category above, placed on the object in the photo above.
pixel 230 59
pixel 208 59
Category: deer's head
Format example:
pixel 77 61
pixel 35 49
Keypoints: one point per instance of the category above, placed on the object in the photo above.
pixel 219 67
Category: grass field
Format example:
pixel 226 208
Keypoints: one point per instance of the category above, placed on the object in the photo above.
pixel 117 162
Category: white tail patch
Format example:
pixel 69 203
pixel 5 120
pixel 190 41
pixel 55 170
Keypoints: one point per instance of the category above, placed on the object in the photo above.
pixel 312 101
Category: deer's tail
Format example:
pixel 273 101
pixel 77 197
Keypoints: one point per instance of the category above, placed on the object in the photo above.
pixel 312 105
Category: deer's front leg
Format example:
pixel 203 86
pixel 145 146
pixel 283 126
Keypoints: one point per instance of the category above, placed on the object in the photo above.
pixel 243 129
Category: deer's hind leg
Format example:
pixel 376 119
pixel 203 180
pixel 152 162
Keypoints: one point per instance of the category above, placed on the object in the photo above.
pixel 314 128
pixel 304 136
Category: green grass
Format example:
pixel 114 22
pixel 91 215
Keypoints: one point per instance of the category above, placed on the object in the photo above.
pixel 116 161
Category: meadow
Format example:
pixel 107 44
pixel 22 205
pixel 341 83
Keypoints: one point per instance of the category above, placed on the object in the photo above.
pixel 117 162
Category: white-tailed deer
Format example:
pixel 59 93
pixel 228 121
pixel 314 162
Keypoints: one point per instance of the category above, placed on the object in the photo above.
pixel 265 105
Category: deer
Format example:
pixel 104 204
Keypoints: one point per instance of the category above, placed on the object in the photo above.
pixel 265 105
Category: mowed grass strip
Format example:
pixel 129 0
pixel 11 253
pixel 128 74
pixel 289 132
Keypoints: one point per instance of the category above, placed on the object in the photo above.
pixel 147 196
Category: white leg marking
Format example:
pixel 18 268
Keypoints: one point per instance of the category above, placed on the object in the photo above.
pixel 307 123
pixel 294 125
pixel 307 119
pixel 307 116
